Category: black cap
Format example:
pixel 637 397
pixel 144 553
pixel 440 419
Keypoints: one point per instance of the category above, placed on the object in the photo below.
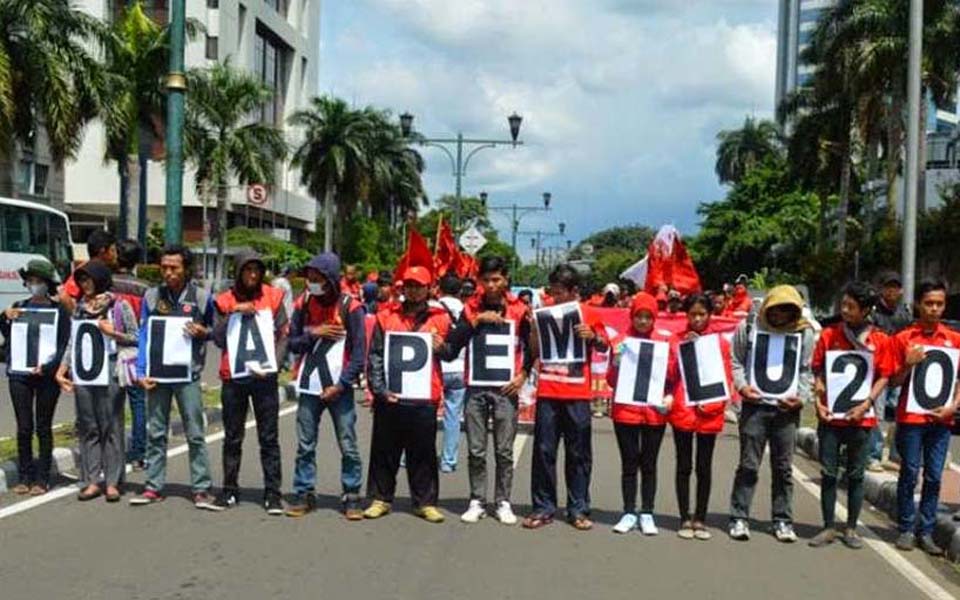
pixel 890 278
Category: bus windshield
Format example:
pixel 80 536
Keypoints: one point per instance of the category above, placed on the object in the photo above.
pixel 25 230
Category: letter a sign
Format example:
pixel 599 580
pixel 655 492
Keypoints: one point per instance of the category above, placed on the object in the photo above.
pixel 250 344
pixel 408 360
pixel 559 342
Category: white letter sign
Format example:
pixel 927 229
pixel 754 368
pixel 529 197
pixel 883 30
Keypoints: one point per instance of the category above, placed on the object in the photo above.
pixel 250 344
pixel 643 372
pixel 492 354
pixel 703 370
pixel 933 381
pixel 321 367
pixel 408 362
pixel 169 349
pixel 849 380
pixel 559 342
pixel 33 339
pixel 90 363
pixel 775 364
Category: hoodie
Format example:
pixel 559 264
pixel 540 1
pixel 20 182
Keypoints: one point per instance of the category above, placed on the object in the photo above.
pixel 741 346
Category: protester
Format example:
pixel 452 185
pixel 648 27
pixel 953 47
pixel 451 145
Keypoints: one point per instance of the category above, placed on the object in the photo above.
pixel 701 423
pixel 177 296
pixel 767 420
pixel 925 436
pixel 719 300
pixel 350 282
pixel 494 305
pixel 35 394
pixel 131 288
pixel 282 283
pixel 401 425
pixel 323 312
pixel 563 411
pixel 384 289
pixel 369 291
pixel 740 304
pixel 454 387
pixel 611 295
pixel 639 429
pixel 674 302
pixel 526 296
pixel 248 296
pixel 851 430
pixel 468 289
pixel 100 423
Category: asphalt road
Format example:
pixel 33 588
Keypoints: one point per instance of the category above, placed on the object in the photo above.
pixel 94 550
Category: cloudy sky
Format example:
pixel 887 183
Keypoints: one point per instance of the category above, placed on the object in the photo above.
pixel 621 99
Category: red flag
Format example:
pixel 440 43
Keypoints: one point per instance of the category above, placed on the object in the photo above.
pixel 669 264
pixel 447 255
pixel 417 255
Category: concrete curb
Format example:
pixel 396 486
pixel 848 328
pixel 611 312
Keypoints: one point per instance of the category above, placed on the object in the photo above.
pixel 880 490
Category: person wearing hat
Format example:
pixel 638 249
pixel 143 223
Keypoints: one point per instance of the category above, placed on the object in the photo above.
pixel 35 394
pixel 324 312
pixel 611 295
pixel 406 425
pixel 100 419
pixel 248 296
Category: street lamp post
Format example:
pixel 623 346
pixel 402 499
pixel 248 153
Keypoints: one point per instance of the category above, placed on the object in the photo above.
pixel 176 87
pixel 538 237
pixel 458 161
pixel 909 254
pixel 516 212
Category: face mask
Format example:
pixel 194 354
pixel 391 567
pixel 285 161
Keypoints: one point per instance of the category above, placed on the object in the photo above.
pixel 38 289
pixel 316 289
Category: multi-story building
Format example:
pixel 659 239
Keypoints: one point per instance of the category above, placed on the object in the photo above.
pixel 796 22
pixel 275 39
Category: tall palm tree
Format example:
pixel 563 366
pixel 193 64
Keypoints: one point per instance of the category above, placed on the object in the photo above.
pixel 739 150
pixel 334 158
pixel 396 169
pixel 48 75
pixel 222 141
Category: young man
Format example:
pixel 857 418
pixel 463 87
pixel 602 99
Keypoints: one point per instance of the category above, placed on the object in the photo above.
pixel 248 296
pixel 768 420
pixel 350 283
pixel 406 426
pixel 177 296
pixel 925 436
pixel 131 288
pixel 740 303
pixel 563 411
pixel 322 312
pixel 101 246
pixel 454 388
pixel 495 305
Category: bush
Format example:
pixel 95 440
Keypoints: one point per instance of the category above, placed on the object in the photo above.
pixel 149 273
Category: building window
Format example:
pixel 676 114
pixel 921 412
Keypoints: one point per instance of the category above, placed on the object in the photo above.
pixel 268 67
pixel 213 45
pixel 40 180
pixel 213 3
pixel 278 5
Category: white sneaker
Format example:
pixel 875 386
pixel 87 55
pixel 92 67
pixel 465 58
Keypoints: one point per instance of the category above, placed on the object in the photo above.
pixel 647 526
pixel 505 514
pixel 627 523
pixel 784 532
pixel 739 530
pixel 474 513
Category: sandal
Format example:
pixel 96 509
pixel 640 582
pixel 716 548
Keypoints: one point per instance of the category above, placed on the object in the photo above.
pixel 89 493
pixel 113 494
pixel 536 521
pixel 38 489
pixel 686 531
pixel 701 532
pixel 21 489
pixel 581 523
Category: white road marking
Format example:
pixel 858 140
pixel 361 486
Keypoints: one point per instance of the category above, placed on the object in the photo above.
pixel 886 551
pixel 63 492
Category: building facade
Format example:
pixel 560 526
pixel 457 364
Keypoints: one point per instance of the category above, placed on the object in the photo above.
pixel 277 40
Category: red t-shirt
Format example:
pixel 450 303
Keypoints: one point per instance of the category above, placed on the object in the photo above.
pixel 913 335
pixel 833 338
pixel 572 381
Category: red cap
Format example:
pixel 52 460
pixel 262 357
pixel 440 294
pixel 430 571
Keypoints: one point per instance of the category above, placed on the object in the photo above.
pixel 643 301
pixel 418 274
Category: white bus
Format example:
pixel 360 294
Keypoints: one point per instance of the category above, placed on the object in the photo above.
pixel 30 230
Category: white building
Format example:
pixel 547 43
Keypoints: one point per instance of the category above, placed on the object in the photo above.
pixel 275 39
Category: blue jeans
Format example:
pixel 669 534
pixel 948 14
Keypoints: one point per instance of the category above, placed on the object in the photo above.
pixel 454 392
pixel 916 442
pixel 190 405
pixel 344 414
pixel 137 397
pixel 887 404
pixel 572 421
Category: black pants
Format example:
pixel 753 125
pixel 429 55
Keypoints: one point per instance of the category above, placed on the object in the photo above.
pixel 639 449
pixel 34 402
pixel 569 420
pixel 399 428
pixel 683 440
pixel 236 398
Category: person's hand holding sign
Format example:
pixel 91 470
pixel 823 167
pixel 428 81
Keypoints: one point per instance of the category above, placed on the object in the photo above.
pixel 792 403
pixel 331 393
pixel 148 383
pixel 750 394
pixel 915 356
pixel 945 412
pixel 62 380
pixel 195 330
pixel 489 316
pixel 13 313
pixel 107 328
pixel 692 335
pixel 857 412
pixel 246 308
pixel 823 413
pixel 437 341
pixel 585 332
pixel 513 388
pixel 328 331
pixel 391 397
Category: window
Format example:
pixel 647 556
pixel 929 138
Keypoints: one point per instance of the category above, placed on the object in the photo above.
pixel 268 67
pixel 40 180
pixel 35 231
pixel 25 176
pixel 213 3
pixel 213 46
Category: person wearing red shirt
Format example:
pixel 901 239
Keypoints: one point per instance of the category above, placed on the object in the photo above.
pixel 701 422
pixel 639 429
pixel 926 436
pixel 406 426
pixel 350 284
pixel 852 430
pixel 563 411
pixel 740 303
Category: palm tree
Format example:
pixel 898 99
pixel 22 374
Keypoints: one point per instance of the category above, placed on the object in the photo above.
pixel 222 141
pixel 739 150
pixel 48 76
pixel 334 158
pixel 396 170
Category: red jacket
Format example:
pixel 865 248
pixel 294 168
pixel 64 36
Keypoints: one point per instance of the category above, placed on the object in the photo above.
pixel 393 319
pixel 912 335
pixel 627 414
pixel 572 381
pixel 269 298
pixel 833 338
pixel 704 418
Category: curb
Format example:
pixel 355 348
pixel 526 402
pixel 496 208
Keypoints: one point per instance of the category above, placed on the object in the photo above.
pixel 880 490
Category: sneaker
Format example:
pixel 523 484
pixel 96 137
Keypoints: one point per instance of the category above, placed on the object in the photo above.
pixel 826 537
pixel 647 526
pixel 147 497
pixel 784 532
pixel 875 466
pixel 138 465
pixel 430 514
pixel 204 501
pixel 445 468
pixel 505 513
pixel 925 542
pixel 906 542
pixel 225 500
pixel 377 509
pixel 273 506
pixel 351 508
pixel 739 530
pixel 475 512
pixel 686 530
pixel 956 516
pixel 304 503
pixel 851 539
pixel 701 532
pixel 627 523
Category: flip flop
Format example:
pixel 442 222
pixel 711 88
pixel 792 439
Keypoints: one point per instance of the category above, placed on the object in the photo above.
pixel 537 521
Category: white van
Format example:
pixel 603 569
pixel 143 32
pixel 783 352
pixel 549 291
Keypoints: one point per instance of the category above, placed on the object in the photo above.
pixel 30 230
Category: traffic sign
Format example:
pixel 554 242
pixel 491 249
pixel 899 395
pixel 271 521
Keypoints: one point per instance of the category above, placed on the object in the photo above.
pixel 257 194
pixel 472 240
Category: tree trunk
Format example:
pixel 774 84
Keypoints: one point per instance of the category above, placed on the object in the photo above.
pixel 123 171
pixel 894 147
pixel 221 230
pixel 328 218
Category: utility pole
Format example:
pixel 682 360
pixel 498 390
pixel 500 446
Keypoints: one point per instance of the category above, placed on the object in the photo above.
pixel 516 211
pixel 913 149
pixel 176 89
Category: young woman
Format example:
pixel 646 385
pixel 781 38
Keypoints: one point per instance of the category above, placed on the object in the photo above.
pixel 852 429
pixel 639 430
pixel 100 428
pixel 698 423
pixel 35 393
